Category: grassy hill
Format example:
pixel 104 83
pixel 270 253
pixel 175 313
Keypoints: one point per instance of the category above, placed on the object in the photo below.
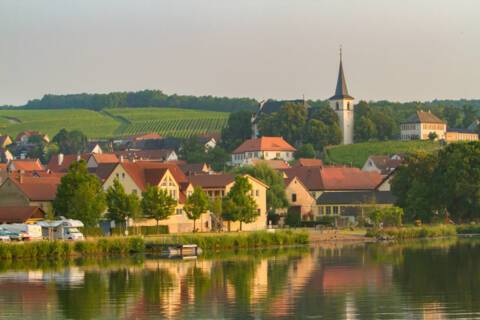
pixel 356 154
pixel 114 122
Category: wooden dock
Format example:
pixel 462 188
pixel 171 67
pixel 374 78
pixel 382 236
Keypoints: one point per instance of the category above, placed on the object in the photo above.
pixel 175 250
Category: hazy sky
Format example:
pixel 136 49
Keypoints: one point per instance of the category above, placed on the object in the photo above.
pixel 396 50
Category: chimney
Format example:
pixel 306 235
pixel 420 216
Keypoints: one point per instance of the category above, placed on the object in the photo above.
pixel 121 158
pixel 60 159
pixel 20 176
pixel 79 157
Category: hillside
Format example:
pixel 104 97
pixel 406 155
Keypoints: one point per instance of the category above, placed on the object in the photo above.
pixel 114 122
pixel 356 154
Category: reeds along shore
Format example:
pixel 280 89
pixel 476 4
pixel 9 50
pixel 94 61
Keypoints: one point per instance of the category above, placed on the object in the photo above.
pixel 414 232
pixel 132 245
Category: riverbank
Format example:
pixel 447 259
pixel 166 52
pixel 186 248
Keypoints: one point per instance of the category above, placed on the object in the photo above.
pixel 411 232
pixel 133 245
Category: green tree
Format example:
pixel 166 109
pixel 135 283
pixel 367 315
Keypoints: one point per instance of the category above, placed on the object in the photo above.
pixel 157 204
pixel 305 151
pixel 71 142
pixel 432 136
pixel 217 158
pixel 469 115
pixel 289 122
pixel 215 208
pixel 120 204
pixel 196 204
pixel 80 195
pixel 276 197
pixel 238 204
pixel 365 130
pixel 317 134
pixel 238 129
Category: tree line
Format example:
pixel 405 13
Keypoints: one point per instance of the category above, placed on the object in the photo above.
pixel 440 185
pixel 80 196
pixel 144 98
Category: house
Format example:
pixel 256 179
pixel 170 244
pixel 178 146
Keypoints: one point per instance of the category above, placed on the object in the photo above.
pixel 264 148
pixel 37 189
pixel 299 196
pixel 421 124
pixel 382 164
pixel 61 162
pixel 5 141
pixel 25 165
pixel 26 214
pixel 25 137
pixel 218 185
pixel 5 155
pixel 209 141
pixel 95 159
pixel 136 176
pixel 453 135
pixel 94 147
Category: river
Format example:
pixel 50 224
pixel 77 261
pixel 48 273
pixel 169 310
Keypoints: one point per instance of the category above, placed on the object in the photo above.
pixel 436 279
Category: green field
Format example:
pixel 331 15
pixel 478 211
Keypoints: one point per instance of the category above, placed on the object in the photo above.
pixel 168 121
pixel 114 122
pixel 356 154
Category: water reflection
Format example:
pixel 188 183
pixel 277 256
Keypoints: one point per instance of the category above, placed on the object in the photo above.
pixel 416 280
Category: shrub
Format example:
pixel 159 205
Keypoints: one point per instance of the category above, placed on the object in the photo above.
pixel 414 232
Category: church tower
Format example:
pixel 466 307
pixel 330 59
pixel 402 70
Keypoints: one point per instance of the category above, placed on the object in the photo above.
pixel 342 104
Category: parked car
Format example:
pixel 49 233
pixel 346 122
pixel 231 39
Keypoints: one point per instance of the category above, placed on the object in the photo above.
pixel 16 236
pixel 4 237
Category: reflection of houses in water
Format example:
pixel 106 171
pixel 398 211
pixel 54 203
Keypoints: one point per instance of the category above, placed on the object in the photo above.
pixel 433 311
pixel 14 293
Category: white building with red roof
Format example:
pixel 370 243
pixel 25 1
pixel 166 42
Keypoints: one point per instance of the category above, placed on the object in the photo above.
pixel 263 148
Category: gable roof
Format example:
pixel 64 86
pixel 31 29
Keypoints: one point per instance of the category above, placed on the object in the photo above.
pixel 4 139
pixel 68 159
pixel 20 214
pixel 423 117
pixel 264 144
pixel 26 165
pixel 30 133
pixel 37 188
pixel 306 162
pixel 105 158
pixel 384 163
pixel 335 178
pixel 103 170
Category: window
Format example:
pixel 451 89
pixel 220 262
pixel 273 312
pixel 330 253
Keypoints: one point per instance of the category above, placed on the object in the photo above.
pixel 123 175
pixel 294 197
pixel 117 175
pixel 337 106
pixel 328 210
pixel 134 191
pixel 335 210
pixel 257 193
pixel 179 211
pixel 259 212
pixel 348 106
pixel 278 155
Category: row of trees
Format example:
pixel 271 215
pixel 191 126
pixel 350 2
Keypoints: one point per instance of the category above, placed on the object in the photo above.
pixel 80 196
pixel 144 98
pixel 445 184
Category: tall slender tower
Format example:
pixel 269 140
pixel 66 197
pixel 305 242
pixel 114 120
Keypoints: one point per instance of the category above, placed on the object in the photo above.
pixel 342 104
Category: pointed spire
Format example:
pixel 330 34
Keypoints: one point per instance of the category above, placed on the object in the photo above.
pixel 341 91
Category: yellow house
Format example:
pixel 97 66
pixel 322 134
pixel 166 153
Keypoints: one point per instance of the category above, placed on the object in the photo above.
pixel 218 185
pixel 299 196
pixel 135 176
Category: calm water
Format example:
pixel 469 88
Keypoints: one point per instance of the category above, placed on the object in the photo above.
pixel 417 280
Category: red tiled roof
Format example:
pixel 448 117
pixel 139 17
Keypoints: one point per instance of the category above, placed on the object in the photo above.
pixel 103 170
pixel 145 136
pixel 152 154
pixel 342 178
pixel 37 188
pixel 264 144
pixel 27 165
pixel 335 178
pixel 384 163
pixel 105 158
pixel 305 162
pixel 20 214
pixel 424 117
pixel 68 159
pixel 207 181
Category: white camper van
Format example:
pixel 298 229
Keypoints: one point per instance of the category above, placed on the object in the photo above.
pixel 26 231
pixel 64 229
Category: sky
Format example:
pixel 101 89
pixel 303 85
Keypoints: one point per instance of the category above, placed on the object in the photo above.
pixel 399 50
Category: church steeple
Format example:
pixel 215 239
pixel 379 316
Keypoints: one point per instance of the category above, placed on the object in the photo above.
pixel 341 91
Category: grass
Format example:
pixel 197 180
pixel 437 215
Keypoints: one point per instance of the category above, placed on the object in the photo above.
pixel 356 154
pixel 64 249
pixel 93 124
pixel 403 233
pixel 114 122
pixel 168 121
pixel 236 240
